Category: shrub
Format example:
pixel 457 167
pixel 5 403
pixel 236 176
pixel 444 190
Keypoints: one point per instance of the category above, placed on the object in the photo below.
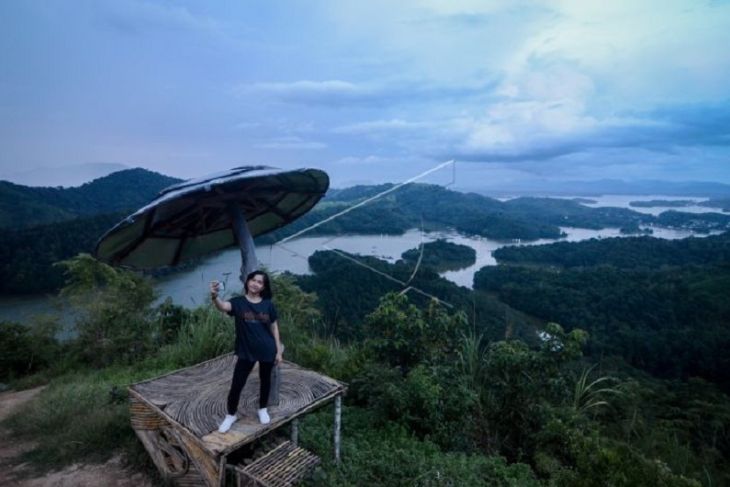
pixel 390 456
pixel 571 456
pixel 25 349
pixel 113 311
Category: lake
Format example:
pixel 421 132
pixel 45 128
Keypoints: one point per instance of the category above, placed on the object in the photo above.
pixel 190 287
pixel 622 201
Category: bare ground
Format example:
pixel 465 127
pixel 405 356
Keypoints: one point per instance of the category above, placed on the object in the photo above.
pixel 14 473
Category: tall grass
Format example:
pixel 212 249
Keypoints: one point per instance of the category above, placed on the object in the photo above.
pixel 83 415
pixel 594 394
pixel 205 333
pixel 80 416
pixel 471 357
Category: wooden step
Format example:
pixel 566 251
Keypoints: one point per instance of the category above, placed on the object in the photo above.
pixel 284 466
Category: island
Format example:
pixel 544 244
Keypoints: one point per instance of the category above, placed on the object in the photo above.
pixel 662 203
pixel 442 255
pixel 722 203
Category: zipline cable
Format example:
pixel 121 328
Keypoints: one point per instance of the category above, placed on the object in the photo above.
pixel 364 202
pixel 406 285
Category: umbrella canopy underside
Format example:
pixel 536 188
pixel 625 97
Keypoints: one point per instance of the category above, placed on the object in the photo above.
pixel 193 219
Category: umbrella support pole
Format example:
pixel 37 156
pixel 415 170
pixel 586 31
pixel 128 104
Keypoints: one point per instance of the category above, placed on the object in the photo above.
pixel 249 263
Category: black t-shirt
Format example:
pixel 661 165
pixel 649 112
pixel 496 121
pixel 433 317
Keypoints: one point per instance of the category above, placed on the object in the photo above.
pixel 254 340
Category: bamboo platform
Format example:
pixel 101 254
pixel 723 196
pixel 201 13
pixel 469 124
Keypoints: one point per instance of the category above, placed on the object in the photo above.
pixel 176 416
pixel 283 466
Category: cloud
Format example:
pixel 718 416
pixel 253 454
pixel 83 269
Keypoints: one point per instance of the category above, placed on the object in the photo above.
pixel 247 125
pixel 699 123
pixel 366 160
pixel 329 92
pixel 376 86
pixel 278 125
pixel 660 130
pixel 290 143
pixel 139 16
pixel 644 53
pixel 382 126
pixel 341 93
pixel 515 130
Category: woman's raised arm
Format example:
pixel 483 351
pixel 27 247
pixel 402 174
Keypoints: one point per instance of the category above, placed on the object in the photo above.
pixel 224 306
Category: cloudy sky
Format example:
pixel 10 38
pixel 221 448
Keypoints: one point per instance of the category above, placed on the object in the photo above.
pixel 370 90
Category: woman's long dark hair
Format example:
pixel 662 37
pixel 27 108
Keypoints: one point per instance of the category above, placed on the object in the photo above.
pixel 266 291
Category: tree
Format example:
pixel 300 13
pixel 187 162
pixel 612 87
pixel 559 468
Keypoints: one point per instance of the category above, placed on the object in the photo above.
pixel 26 348
pixel 112 308
pixel 515 385
pixel 401 335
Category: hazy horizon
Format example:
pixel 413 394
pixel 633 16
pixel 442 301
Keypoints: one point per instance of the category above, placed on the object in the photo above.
pixel 588 188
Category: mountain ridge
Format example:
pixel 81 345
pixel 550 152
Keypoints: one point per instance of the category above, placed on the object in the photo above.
pixel 25 206
pixel 66 176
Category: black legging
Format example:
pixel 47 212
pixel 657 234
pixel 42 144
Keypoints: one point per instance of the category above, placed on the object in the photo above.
pixel 240 374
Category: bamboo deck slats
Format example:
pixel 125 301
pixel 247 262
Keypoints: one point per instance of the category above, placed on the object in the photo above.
pixel 176 415
pixel 284 466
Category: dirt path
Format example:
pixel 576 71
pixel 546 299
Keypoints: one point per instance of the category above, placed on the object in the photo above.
pixel 10 450
pixel 16 474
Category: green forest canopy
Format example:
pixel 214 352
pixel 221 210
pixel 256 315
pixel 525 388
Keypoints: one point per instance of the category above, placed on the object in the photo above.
pixel 526 410
pixel 441 255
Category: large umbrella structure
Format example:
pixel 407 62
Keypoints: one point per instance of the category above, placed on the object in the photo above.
pixel 199 216
pixel 186 221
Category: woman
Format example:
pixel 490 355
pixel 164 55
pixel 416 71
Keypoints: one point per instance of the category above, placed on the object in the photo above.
pixel 257 340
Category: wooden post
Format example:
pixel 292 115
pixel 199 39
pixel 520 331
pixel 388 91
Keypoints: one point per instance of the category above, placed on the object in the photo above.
pixel 338 420
pixel 295 432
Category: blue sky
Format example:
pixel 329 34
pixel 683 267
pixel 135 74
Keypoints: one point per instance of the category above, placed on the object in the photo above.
pixel 373 90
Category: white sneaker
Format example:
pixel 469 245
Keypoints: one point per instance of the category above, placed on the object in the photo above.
pixel 227 423
pixel 264 416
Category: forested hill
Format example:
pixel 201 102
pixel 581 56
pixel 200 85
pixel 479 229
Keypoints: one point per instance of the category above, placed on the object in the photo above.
pixel 667 317
pixel 357 192
pixel 417 205
pixel 25 206
pixel 41 226
pixel 661 305
pixel 27 255
pixel 627 253
pixel 435 207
